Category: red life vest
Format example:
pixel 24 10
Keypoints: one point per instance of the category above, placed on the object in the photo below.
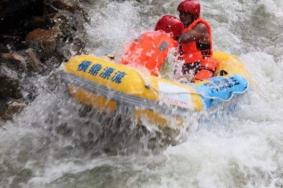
pixel 150 50
pixel 191 53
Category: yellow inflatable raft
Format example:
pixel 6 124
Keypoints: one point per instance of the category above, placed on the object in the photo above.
pixel 107 86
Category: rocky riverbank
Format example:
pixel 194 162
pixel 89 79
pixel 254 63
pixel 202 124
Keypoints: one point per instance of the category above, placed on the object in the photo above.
pixel 36 36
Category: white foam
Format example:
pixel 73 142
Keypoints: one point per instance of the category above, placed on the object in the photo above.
pixel 240 149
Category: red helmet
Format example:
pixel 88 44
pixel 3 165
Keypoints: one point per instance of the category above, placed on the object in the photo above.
pixel 170 24
pixel 190 6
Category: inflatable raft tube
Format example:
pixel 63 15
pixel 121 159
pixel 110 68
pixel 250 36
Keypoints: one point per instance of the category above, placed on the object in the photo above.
pixel 106 86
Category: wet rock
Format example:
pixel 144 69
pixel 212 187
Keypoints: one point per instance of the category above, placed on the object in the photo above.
pixel 3 107
pixel 35 63
pixel 13 107
pixel 36 37
pixel 16 106
pixel 14 56
pixel 73 38
pixel 12 65
pixel 69 5
pixel 64 39
pixel 10 86
pixel 8 109
pixel 15 14
pixel 46 39
pixel 40 21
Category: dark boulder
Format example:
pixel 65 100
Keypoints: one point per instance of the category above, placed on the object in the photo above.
pixel 36 36
pixel 14 14
pixel 10 86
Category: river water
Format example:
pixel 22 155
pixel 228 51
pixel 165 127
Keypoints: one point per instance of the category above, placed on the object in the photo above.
pixel 54 142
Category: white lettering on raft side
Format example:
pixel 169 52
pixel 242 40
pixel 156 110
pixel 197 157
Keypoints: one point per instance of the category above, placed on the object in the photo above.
pixel 175 95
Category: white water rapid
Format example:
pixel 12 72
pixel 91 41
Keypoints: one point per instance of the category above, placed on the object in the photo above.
pixel 52 142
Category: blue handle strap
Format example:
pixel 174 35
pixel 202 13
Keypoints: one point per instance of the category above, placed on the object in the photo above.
pixel 220 89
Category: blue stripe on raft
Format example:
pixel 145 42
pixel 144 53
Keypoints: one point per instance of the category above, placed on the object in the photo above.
pixel 220 89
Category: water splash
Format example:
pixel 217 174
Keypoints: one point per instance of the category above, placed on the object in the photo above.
pixel 243 148
pixel 112 26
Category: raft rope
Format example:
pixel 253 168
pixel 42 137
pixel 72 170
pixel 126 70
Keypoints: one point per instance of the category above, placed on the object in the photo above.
pixel 148 86
pixel 120 97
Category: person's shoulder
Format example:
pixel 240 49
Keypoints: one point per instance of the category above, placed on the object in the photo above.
pixel 201 27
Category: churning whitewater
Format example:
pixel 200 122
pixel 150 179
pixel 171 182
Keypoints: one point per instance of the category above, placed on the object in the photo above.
pixel 56 142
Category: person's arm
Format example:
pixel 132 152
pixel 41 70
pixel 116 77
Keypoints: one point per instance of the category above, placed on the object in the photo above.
pixel 199 33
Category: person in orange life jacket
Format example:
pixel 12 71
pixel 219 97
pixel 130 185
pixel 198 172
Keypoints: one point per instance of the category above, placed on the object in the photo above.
pixel 151 49
pixel 196 42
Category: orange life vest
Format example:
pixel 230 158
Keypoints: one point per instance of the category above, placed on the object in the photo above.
pixel 192 53
pixel 150 50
